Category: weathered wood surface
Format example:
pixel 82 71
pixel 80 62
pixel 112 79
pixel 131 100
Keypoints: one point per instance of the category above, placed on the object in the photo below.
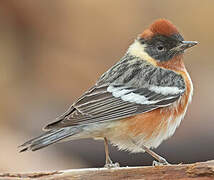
pixel 199 170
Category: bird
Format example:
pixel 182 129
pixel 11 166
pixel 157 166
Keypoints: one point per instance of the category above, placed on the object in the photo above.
pixel 136 104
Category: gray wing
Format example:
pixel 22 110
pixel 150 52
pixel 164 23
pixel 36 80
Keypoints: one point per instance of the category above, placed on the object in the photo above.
pixel 112 103
pixel 130 87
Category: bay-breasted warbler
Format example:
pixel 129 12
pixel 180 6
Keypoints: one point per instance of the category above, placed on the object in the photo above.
pixel 137 103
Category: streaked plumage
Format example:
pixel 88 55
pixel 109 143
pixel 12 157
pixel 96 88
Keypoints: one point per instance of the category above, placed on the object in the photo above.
pixel 139 101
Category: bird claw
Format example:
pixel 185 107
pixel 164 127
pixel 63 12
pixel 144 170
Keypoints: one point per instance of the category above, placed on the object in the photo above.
pixel 112 165
pixel 162 162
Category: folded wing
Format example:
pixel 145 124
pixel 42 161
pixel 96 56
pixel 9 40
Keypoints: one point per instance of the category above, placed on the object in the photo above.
pixel 114 102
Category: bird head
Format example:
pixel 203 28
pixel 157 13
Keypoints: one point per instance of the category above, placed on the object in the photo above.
pixel 161 42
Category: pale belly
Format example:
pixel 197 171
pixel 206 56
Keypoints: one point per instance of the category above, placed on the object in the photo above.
pixel 143 131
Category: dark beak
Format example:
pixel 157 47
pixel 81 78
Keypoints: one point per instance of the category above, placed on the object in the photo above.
pixel 185 45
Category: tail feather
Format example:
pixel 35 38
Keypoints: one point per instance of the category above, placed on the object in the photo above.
pixel 44 135
pixel 48 138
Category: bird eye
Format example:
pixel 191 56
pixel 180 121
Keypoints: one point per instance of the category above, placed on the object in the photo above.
pixel 160 48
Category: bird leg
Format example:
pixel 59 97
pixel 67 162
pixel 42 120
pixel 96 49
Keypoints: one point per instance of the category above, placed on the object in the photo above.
pixel 160 160
pixel 109 163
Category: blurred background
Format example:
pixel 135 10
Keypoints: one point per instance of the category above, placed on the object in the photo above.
pixel 52 51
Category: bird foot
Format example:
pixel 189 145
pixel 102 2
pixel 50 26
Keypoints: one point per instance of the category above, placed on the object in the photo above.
pixel 112 165
pixel 162 162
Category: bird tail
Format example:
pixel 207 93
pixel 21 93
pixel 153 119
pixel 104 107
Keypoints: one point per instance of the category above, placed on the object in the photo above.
pixel 49 138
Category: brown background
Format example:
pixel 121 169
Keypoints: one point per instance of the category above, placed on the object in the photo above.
pixel 52 51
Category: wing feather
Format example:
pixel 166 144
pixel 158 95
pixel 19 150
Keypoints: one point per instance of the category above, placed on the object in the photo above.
pixel 106 103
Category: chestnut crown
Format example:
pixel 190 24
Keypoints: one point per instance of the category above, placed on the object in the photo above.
pixel 162 41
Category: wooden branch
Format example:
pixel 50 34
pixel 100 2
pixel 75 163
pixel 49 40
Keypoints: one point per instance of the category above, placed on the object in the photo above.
pixel 200 170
